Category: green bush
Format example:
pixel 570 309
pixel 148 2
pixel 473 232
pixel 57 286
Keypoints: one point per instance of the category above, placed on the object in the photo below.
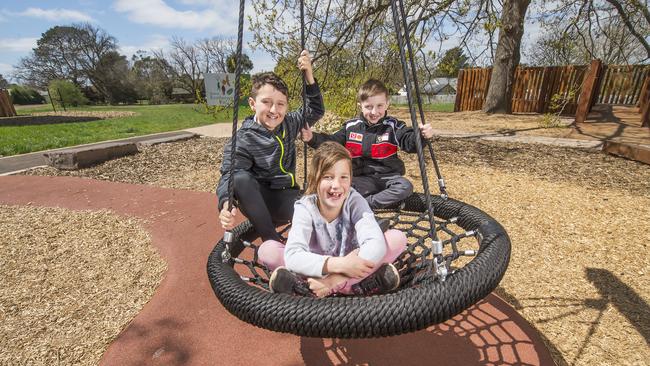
pixel 25 95
pixel 67 93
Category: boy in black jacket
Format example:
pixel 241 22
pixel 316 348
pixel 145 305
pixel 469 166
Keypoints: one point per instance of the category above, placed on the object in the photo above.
pixel 265 160
pixel 373 140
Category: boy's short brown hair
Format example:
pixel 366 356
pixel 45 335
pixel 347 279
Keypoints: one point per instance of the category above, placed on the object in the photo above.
pixel 261 79
pixel 371 88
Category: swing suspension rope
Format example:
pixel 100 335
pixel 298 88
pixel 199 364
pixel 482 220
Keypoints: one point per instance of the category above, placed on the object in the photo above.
pixel 441 181
pixel 403 41
pixel 228 236
pixel 304 92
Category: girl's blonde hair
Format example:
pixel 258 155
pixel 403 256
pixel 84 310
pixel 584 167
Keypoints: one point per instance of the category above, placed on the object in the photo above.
pixel 328 154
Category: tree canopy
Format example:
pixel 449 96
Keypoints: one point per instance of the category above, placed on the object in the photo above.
pixel 614 31
pixel 453 60
pixel 80 53
pixel 246 63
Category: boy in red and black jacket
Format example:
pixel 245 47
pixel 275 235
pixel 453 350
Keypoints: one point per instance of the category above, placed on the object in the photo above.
pixel 373 140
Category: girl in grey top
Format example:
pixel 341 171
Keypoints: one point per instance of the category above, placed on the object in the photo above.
pixel 334 240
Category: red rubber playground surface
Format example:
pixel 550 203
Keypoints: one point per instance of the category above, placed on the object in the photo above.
pixel 184 323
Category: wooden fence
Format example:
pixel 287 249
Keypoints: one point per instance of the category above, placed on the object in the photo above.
pixel 472 88
pixel 621 84
pixel 6 107
pixel 555 88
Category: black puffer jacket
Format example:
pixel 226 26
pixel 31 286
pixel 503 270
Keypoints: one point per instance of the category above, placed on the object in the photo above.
pixel 270 155
pixel 373 146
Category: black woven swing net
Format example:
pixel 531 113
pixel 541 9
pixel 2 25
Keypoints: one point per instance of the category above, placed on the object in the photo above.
pixel 476 252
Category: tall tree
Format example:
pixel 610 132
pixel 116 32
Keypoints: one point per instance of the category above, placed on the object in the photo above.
pixel 68 52
pixel 499 95
pixel 110 76
pixel 152 78
pixel 453 60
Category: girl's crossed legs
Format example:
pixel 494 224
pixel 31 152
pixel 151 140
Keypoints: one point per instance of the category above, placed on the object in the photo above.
pixel 271 254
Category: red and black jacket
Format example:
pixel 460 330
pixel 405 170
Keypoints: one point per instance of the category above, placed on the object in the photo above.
pixel 373 146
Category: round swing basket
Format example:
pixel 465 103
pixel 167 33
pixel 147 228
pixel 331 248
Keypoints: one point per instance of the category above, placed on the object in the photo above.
pixel 423 298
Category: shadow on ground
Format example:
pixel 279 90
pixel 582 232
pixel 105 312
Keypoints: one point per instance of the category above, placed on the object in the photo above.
pixel 490 332
pixel 611 290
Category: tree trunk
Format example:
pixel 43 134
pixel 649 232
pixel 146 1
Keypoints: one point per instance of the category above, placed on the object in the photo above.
pixel 499 96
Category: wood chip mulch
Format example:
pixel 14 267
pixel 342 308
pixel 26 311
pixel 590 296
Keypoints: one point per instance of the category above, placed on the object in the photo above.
pixel 579 271
pixel 71 281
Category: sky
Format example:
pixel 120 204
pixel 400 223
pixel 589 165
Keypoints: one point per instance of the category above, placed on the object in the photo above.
pixel 136 24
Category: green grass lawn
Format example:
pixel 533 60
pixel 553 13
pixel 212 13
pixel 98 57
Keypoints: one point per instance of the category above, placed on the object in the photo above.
pixel 436 107
pixel 149 119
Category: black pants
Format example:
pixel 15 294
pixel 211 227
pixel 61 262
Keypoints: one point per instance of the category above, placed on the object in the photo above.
pixel 263 206
pixel 382 192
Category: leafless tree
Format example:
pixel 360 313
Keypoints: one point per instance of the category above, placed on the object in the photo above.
pixel 189 61
pixel 216 51
pixel 615 31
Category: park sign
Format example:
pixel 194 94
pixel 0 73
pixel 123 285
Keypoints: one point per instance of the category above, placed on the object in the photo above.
pixel 219 88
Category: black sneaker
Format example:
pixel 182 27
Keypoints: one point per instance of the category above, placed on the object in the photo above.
pixel 283 281
pixel 384 280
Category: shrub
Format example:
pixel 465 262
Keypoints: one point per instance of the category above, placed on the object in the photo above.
pixel 25 95
pixel 67 93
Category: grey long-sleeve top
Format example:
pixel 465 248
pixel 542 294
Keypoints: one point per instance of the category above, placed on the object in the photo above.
pixel 312 239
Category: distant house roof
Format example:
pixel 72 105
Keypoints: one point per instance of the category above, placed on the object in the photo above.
pixel 436 86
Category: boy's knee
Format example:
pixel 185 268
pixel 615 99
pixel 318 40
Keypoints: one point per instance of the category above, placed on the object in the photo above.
pixel 404 188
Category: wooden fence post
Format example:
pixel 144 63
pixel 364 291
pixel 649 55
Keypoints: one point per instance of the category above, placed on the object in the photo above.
pixel 588 89
pixel 644 93
pixel 6 107
pixel 644 102
pixel 459 88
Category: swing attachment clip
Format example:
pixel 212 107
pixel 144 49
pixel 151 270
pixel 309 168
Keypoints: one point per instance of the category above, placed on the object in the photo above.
pixel 225 255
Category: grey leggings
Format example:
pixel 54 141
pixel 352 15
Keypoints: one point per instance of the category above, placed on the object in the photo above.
pixel 382 192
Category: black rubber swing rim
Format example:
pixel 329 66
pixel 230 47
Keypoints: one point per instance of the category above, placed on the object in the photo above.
pixel 403 311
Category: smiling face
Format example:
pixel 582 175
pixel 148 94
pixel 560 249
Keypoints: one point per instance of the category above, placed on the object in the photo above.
pixel 374 108
pixel 270 106
pixel 334 188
